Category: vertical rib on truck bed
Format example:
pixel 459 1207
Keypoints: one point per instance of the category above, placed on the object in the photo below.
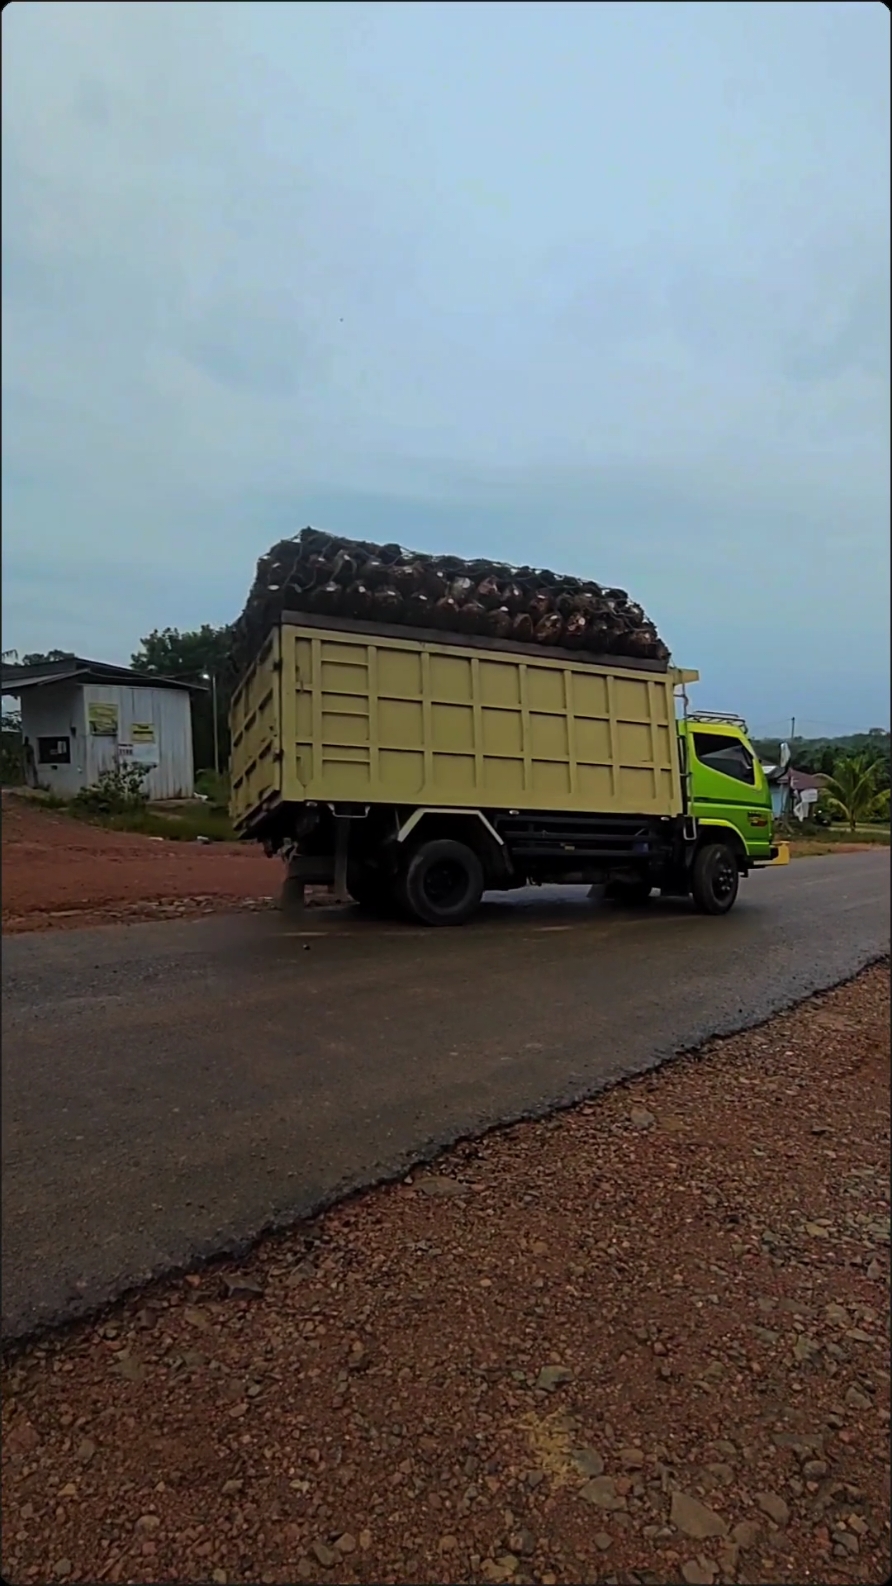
pixel 368 718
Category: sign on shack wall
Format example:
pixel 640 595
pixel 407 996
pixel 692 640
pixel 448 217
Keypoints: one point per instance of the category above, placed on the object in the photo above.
pixel 145 750
pixel 103 720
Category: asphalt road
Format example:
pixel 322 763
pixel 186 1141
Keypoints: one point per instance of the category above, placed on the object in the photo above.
pixel 169 1090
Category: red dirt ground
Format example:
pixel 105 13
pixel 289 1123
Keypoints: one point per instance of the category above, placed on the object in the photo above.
pixel 61 872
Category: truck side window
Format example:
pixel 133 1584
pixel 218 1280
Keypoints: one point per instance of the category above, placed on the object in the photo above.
pixel 727 755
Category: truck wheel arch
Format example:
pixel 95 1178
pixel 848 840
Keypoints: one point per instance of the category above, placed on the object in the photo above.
pixel 468 826
pixel 722 832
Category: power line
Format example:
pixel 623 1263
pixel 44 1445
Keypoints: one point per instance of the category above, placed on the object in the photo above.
pixel 778 727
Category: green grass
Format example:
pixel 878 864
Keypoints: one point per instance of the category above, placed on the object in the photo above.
pixel 183 823
pixel 829 837
pixel 829 840
pixel 37 798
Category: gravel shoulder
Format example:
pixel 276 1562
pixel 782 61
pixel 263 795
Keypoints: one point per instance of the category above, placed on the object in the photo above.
pixel 645 1340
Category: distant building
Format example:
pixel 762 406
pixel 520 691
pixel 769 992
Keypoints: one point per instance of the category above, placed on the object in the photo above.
pixel 81 717
pixel 793 793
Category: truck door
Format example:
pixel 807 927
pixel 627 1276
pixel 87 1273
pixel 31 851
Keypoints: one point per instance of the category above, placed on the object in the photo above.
pixel 726 776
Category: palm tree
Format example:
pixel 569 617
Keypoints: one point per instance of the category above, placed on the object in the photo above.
pixel 854 792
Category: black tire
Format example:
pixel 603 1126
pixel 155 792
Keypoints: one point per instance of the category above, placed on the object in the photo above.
pixel 442 883
pixel 628 894
pixel 715 878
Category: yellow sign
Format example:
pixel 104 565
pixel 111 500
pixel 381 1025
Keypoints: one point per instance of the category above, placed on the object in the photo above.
pixel 142 732
pixel 103 720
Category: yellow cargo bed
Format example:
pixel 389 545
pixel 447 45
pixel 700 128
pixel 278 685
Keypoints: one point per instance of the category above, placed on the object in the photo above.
pixel 335 712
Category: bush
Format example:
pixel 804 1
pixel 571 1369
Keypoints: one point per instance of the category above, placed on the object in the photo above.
pixel 214 785
pixel 119 791
pixel 824 811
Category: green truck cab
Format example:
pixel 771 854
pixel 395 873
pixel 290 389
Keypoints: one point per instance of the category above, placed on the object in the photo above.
pixel 727 788
pixel 727 793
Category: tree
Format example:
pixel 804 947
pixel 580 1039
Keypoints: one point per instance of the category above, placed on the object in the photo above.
pixel 854 792
pixel 38 657
pixel 820 755
pixel 195 656
pixel 806 757
pixel 877 755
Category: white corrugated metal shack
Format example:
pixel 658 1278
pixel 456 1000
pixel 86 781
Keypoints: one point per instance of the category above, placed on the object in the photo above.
pixel 81 717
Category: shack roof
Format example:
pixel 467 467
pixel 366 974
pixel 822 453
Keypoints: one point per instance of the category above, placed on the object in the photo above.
pixel 77 669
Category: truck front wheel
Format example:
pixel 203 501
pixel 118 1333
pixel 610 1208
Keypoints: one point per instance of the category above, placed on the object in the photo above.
pixel 715 878
pixel 443 882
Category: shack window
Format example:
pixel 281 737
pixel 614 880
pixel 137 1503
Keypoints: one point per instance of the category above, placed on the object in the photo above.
pixel 54 751
pixel 727 755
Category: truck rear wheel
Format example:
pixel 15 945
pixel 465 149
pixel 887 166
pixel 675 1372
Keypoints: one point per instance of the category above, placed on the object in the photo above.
pixel 443 882
pixel 715 878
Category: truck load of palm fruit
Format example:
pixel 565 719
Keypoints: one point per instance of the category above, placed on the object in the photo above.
pixel 329 576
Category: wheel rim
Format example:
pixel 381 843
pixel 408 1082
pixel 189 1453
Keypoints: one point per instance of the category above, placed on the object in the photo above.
pixel 445 884
pixel 724 878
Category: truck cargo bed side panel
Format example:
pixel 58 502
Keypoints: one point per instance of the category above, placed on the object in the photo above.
pixel 256 720
pixel 372 719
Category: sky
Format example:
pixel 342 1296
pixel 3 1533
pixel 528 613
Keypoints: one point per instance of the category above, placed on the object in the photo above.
pixel 600 287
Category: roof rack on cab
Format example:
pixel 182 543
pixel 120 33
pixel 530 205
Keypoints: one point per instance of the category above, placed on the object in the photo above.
pixel 718 716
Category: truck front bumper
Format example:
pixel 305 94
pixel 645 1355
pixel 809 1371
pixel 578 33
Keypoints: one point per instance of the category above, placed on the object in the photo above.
pixel 780 855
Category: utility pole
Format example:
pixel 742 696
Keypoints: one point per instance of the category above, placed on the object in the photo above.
pixel 211 677
pixel 216 724
pixel 792 729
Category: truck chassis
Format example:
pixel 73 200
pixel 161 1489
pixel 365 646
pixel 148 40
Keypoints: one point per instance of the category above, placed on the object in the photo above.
pixel 434 864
